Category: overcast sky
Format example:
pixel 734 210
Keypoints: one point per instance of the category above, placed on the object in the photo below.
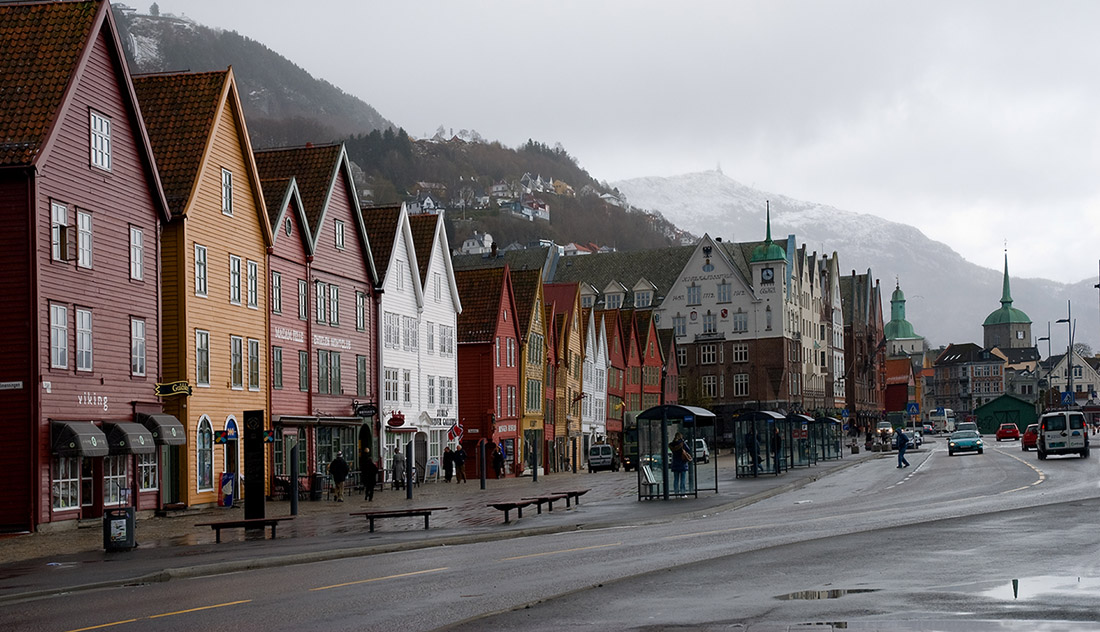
pixel 976 122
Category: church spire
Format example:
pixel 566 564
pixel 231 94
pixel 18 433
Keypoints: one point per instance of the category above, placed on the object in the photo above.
pixel 1006 293
pixel 768 239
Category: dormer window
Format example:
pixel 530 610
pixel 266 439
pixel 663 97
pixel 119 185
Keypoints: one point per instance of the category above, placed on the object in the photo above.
pixel 643 298
pixel 614 301
pixel 586 300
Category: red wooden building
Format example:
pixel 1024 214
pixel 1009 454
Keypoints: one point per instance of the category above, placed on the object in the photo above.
pixel 488 339
pixel 616 377
pixel 81 203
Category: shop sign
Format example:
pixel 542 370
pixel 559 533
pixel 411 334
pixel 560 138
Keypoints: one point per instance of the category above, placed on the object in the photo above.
pixel 11 386
pixel 366 410
pixel 396 420
pixel 169 389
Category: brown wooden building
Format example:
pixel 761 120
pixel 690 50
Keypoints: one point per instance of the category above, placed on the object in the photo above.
pixel 81 206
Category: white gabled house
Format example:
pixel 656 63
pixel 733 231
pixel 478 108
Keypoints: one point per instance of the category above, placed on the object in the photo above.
pixel 594 376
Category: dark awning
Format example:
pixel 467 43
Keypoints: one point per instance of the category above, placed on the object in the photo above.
pixel 78 438
pixel 166 429
pixel 127 437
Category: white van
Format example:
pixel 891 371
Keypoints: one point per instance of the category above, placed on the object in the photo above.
pixel 1063 432
pixel 602 457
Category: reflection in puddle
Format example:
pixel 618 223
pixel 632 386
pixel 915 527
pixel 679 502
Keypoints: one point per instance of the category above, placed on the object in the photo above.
pixel 1031 587
pixel 825 594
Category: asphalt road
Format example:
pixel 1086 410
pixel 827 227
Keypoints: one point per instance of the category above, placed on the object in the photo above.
pixel 933 546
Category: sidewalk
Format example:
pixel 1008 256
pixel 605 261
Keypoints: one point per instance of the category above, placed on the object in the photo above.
pixel 173 547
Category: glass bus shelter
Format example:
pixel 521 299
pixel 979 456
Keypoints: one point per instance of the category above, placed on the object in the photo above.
pixel 657 470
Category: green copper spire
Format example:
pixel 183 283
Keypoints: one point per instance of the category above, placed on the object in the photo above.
pixel 1007 313
pixel 1006 294
pixel 769 250
pixel 898 328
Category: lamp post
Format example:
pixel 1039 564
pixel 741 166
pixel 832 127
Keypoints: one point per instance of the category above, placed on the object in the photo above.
pixel 1049 367
pixel 1071 326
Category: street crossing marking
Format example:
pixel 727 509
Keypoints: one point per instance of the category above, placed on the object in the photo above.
pixel 378 579
pixel 583 548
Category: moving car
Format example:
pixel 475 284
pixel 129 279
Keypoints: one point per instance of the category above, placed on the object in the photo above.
pixel 967 425
pixel 1008 431
pixel 915 439
pixel 602 457
pixel 885 430
pixel 1030 437
pixel 1063 432
pixel 702 452
pixel 964 441
pixel 928 429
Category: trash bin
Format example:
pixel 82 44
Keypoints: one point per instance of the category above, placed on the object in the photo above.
pixel 118 529
pixel 316 486
pixel 227 489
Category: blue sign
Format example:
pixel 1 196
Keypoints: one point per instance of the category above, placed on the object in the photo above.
pixel 939 411
pixel 912 408
pixel 1067 398
pixel 844 413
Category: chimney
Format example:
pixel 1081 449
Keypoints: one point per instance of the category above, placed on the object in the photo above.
pixel 493 250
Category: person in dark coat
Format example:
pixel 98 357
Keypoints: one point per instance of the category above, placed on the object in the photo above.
pixel 460 464
pixel 680 463
pixel 903 444
pixel 398 469
pixel 370 474
pixel 498 461
pixel 338 469
pixel 448 464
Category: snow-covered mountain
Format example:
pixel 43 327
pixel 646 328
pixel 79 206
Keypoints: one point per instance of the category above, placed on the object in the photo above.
pixel 948 297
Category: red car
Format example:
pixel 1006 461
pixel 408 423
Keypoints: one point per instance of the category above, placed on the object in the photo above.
pixel 1030 438
pixel 1008 431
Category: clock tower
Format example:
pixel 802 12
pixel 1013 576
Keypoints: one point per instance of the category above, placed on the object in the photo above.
pixel 1007 327
pixel 769 264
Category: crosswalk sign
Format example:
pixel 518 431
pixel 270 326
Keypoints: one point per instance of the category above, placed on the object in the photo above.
pixel 912 408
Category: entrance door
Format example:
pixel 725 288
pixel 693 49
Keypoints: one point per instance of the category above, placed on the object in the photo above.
pixel 232 455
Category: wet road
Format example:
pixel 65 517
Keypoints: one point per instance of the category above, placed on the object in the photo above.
pixel 936 542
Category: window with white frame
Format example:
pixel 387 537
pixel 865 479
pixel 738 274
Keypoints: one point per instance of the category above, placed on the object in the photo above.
pixel 500 397
pixel 334 305
pixel 276 368
pixel 446 340
pixel 406 390
pixel 204 456
pixel 303 300
pixel 740 353
pixel 511 352
pixel 236 362
pixel 725 292
pixel 227 192
pixel 148 476
pixel 276 292
pixel 137 347
pixel 446 391
pixel 511 400
pixel 496 350
pixel 431 390
pixel 643 298
pixel 710 323
pixel 303 371
pixel 614 301
pixel 253 284
pixel 100 127
pixel 360 311
pixel 114 479
pixel 137 254
pixel 338 228
pixel 710 386
pixel 708 354
pixel 322 371
pixel 335 385
pixel 389 384
pixel 681 356
pixel 586 300
pixel 202 357
pixel 694 295
pixel 399 278
pixel 679 325
pixel 234 279
pixel 253 364
pixel 741 385
pixel 84 239
pixel 437 283
pixel 321 298
pixel 59 336
pixel 740 322
pixel 66 483
pixel 391 330
pixel 83 339
pixel 410 339
pixel 534 396
pixel 201 270
pixel 431 337
pixel 59 221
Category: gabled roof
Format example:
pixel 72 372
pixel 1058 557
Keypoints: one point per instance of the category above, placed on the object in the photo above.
pixel 481 292
pixel 278 194
pixel 525 259
pixel 313 166
pixel 180 111
pixel 423 232
pixel 381 226
pixel 1018 355
pixel 661 267
pixel 958 354
pixel 525 286
pixel 43 45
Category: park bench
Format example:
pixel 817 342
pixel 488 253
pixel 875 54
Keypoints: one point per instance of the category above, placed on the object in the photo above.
pixel 548 499
pixel 244 523
pixel 575 494
pixel 518 505
pixel 371 516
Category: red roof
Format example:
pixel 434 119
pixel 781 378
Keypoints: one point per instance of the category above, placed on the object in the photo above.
pixel 313 167
pixel 481 292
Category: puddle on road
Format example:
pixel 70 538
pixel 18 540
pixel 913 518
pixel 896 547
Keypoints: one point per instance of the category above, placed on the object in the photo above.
pixel 825 594
pixel 1031 587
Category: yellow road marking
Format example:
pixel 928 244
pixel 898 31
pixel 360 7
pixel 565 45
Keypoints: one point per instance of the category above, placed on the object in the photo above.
pixel 104 625
pixel 378 579
pixel 1042 475
pixel 583 548
pixel 220 605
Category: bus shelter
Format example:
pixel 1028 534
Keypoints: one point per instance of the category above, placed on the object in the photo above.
pixel 658 471
pixel 763 439
pixel 828 435
pixel 803 449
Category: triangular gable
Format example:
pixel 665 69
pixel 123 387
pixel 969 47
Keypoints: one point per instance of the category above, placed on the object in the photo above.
pixel 281 195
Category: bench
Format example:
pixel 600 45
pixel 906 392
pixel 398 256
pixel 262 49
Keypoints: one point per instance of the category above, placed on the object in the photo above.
pixel 508 506
pixel 575 494
pixel 244 523
pixel 548 499
pixel 649 482
pixel 371 516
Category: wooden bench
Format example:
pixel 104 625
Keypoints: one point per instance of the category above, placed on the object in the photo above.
pixel 518 505
pixel 575 494
pixel 371 516
pixel 244 523
pixel 548 499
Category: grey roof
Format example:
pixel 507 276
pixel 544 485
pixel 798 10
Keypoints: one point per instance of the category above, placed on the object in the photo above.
pixel 526 259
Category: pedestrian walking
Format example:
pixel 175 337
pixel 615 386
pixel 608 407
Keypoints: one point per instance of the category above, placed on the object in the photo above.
pixel 460 464
pixel 680 463
pixel 498 461
pixel 369 470
pixel 338 470
pixel 398 469
pixel 903 443
pixel 448 464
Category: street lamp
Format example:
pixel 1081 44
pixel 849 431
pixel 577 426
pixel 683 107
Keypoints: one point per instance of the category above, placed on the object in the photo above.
pixel 1050 367
pixel 1071 325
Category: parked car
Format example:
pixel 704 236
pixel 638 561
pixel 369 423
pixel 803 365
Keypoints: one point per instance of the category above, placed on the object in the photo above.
pixel 603 457
pixel 1030 437
pixel 1063 432
pixel 702 452
pixel 915 439
pixel 964 441
pixel 1008 431
pixel 928 429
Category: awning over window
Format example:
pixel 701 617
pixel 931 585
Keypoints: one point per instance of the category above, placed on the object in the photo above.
pixel 127 437
pixel 78 438
pixel 166 429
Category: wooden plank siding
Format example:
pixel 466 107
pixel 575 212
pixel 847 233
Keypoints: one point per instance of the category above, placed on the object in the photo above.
pixel 289 258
